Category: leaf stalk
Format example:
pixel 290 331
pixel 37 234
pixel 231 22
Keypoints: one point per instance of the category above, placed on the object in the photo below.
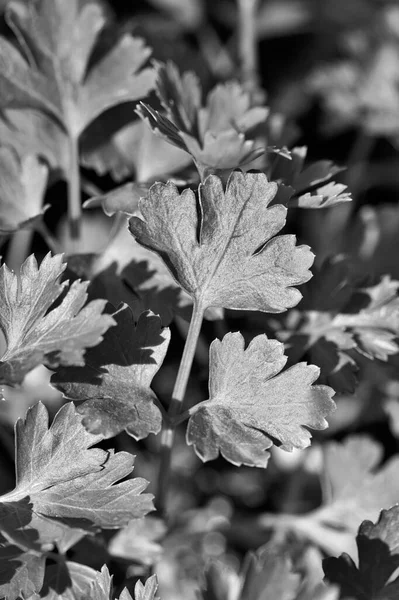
pixel 179 391
pixel 74 198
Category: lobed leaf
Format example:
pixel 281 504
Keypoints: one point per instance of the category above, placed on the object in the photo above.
pixel 222 249
pixel 35 333
pixel 115 381
pixel 378 548
pixel 217 134
pixel 63 483
pixel 343 319
pixel 307 187
pixel 21 572
pixel 253 405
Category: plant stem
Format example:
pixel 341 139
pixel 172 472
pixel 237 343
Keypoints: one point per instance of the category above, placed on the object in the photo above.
pixel 18 248
pixel 179 390
pixel 74 203
pixel 248 46
pixel 48 237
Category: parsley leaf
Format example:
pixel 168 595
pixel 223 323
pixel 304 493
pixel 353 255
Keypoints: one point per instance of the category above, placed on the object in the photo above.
pixel 217 134
pixel 26 181
pixel 21 572
pixel 354 488
pixel 61 482
pixel 252 404
pixel 102 588
pixel 221 249
pixel 378 548
pixel 115 381
pixel 37 334
pixel 310 186
pixel 59 37
pixel 343 319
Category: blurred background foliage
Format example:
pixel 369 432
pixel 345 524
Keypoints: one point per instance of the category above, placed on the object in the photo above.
pixel 329 72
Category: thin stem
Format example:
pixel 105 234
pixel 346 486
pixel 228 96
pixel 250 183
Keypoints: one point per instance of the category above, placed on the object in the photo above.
pixel 52 242
pixel 248 45
pixel 179 390
pixel 74 199
pixel 18 248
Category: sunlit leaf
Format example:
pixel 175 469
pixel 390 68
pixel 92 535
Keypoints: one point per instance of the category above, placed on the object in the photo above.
pixel 221 247
pixel 37 334
pixel 253 405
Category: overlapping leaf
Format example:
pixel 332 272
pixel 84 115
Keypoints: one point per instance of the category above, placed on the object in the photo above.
pixel 343 319
pixel 217 134
pixel 354 489
pixel 228 256
pixel 102 588
pixel 62 482
pixel 21 571
pixel 132 150
pixel 378 548
pixel 115 381
pixel 37 334
pixel 22 187
pixel 307 187
pixel 252 404
pixel 54 73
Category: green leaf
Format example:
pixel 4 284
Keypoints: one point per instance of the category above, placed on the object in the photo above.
pixel 67 579
pixel 59 38
pixel 115 381
pixel 132 150
pixel 378 548
pixel 21 572
pixel 22 188
pixel 217 134
pixel 102 589
pixel 253 405
pixel 342 319
pixel 31 132
pixel 62 482
pixel 355 488
pixel 140 541
pixel 269 574
pixel 310 186
pixel 37 334
pixel 221 248
pixel 142 591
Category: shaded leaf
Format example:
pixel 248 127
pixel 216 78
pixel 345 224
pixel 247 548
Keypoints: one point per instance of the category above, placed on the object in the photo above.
pixel 342 319
pixel 228 256
pixel 115 381
pixel 62 482
pixel 217 134
pixel 132 150
pixel 36 334
pixel 269 574
pixel 252 405
pixel 68 580
pixel 21 572
pixel 22 188
pixel 378 548
pixel 307 187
